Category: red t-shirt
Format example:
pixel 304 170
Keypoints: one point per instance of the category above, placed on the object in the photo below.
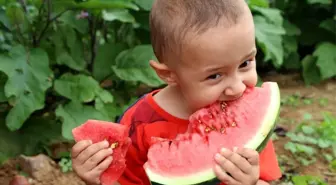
pixel 147 119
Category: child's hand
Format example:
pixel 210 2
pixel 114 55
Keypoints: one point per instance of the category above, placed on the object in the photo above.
pixel 90 160
pixel 242 165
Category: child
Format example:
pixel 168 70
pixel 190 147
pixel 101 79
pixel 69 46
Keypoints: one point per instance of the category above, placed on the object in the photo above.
pixel 206 52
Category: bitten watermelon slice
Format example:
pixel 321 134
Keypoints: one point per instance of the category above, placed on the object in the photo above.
pixel 116 135
pixel 189 158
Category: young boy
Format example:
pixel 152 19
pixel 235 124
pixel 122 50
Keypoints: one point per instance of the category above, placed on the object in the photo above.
pixel 206 52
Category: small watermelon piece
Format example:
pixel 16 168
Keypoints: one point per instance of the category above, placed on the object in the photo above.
pixel 189 158
pixel 116 135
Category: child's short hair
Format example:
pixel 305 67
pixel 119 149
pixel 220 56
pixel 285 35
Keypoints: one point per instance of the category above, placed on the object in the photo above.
pixel 171 20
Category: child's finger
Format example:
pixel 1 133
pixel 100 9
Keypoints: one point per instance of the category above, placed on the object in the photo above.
pixel 229 167
pixel 223 176
pixel 239 161
pixel 98 170
pixel 252 156
pixel 91 150
pixel 79 147
pixel 93 161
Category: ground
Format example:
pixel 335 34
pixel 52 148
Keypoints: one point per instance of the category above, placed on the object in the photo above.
pixel 300 103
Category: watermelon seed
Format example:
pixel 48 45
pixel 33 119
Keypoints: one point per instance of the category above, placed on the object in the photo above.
pixel 233 124
pixel 223 105
pixel 207 129
pixel 114 145
pixel 222 130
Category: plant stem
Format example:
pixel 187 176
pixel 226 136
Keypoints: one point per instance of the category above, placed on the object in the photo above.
pixel 49 21
pixel 92 30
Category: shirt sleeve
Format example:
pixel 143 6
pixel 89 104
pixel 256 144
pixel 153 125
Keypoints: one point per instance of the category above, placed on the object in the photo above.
pixel 136 156
pixel 269 167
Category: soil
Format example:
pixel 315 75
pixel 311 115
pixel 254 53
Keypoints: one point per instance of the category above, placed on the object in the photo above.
pixel 47 171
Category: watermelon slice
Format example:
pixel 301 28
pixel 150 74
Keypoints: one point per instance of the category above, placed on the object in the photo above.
pixel 245 122
pixel 116 135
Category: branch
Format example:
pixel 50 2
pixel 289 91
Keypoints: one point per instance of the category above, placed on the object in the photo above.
pixel 92 31
pixel 49 21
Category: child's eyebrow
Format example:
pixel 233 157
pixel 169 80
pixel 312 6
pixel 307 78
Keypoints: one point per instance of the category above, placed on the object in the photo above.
pixel 251 53
pixel 216 68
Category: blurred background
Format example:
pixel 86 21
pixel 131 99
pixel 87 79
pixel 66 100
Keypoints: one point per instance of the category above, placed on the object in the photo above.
pixel 65 61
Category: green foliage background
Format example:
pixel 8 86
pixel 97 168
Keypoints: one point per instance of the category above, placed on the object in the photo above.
pixel 65 61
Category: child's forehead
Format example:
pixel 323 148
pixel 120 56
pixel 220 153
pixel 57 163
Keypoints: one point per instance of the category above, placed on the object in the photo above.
pixel 231 44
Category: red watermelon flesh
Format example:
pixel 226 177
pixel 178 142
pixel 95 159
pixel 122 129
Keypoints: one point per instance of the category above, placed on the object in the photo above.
pixel 189 159
pixel 116 135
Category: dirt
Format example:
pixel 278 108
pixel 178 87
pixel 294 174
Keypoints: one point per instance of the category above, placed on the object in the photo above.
pixel 290 116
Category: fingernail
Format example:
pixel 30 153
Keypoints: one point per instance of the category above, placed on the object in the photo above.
pixel 217 156
pixel 223 150
pixel 106 143
pixel 110 150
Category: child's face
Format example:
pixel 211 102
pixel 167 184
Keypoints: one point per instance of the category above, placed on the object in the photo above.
pixel 218 65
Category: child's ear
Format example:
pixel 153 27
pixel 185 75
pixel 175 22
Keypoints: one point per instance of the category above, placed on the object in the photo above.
pixel 163 71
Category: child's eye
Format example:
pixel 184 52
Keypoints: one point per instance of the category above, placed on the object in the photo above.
pixel 245 64
pixel 214 76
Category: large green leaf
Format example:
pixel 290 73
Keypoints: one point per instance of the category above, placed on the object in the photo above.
pixel 79 87
pixel 15 14
pixel 70 19
pixel 106 55
pixel 325 2
pixel 122 15
pixel 29 76
pixel 326 59
pixel 3 80
pixel 290 44
pixel 259 3
pixel 310 73
pixel 133 65
pixel 271 14
pixel 329 24
pixel 145 4
pixel 104 4
pixel 37 133
pixel 75 114
pixel 269 38
pixel 69 49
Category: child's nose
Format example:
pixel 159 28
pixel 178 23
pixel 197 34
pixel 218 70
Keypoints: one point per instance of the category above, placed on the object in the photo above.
pixel 235 90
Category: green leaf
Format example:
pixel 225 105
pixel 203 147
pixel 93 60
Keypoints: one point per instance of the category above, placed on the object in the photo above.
pixel 109 110
pixel 75 114
pixel 3 79
pixel 269 38
pixel 291 29
pixel 103 4
pixel 31 139
pixel 307 180
pixel 145 4
pixel 122 15
pixel 70 19
pixel 29 76
pixel 69 49
pixel 15 13
pixel 310 73
pixel 325 2
pixel 106 55
pixel 326 59
pixel 308 129
pixel 133 65
pixel 79 87
pixel 329 24
pixel 273 15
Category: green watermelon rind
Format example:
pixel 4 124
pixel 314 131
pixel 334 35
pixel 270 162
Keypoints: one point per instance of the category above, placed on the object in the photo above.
pixel 258 142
